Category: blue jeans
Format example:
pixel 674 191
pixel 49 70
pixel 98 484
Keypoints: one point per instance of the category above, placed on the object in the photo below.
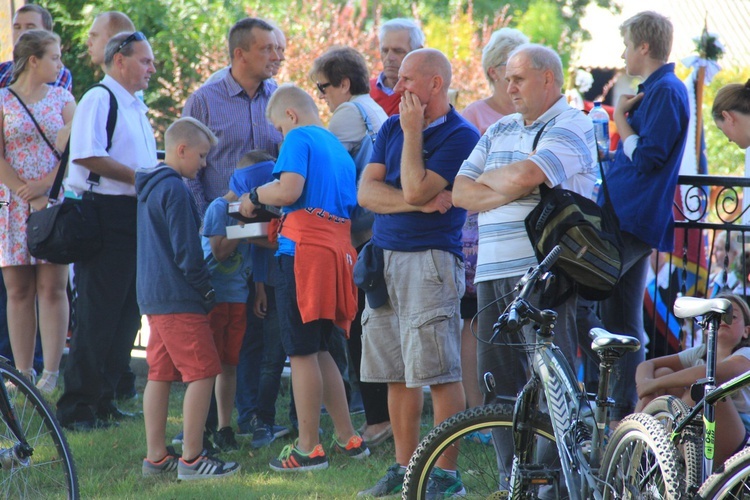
pixel 262 360
pixel 622 313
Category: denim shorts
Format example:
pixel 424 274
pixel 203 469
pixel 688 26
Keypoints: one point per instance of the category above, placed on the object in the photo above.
pixel 415 338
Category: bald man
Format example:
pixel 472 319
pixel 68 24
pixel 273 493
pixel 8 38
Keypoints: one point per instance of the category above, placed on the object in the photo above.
pixel 316 187
pixel 414 338
pixel 105 26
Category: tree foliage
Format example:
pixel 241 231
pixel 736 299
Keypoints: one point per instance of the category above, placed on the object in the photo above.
pixel 189 42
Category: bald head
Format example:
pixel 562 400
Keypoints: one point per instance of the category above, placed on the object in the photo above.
pixel 431 62
pixel 289 96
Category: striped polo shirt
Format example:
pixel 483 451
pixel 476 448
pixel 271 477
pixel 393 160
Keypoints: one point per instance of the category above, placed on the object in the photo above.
pixel 566 153
pixel 239 123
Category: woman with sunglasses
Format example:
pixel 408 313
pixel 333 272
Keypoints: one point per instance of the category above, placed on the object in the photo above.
pixel 32 113
pixel 342 79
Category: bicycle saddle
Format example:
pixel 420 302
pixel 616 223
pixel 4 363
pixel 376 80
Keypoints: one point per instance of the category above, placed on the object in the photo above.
pixel 602 339
pixel 690 307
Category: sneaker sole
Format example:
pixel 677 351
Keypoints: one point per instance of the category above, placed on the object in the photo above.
pixel 300 469
pixel 361 456
pixel 197 477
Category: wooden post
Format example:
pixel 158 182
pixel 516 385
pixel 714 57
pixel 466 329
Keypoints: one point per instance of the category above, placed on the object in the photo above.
pixel 699 79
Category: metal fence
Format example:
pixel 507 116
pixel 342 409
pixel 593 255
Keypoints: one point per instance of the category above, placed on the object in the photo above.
pixel 710 222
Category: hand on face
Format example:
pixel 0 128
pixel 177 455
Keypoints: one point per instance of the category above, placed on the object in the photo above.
pixel 411 110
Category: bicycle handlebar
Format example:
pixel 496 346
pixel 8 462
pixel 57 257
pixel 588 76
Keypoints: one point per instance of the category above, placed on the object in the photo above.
pixel 520 309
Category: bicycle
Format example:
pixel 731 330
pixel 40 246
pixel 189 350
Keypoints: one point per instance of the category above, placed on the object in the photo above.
pixel 684 423
pixel 35 459
pixel 560 449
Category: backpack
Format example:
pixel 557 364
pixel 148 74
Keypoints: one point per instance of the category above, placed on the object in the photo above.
pixel 362 219
pixel 590 238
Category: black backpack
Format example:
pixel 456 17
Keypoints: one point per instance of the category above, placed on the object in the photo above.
pixel 590 238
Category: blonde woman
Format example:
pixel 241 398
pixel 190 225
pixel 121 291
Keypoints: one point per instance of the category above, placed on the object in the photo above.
pixel 28 164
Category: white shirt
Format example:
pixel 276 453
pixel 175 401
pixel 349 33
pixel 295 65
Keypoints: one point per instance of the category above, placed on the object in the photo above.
pixel 566 153
pixel 133 142
pixel 694 357
pixel 346 122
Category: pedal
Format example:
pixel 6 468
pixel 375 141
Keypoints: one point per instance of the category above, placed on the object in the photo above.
pixel 538 475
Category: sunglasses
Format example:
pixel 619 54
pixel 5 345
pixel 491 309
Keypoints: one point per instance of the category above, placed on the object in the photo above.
pixel 323 86
pixel 134 37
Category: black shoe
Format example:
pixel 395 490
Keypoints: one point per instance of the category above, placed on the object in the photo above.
pixel 225 440
pixel 89 425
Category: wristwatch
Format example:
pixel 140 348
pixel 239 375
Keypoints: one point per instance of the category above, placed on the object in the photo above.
pixel 254 197
pixel 210 295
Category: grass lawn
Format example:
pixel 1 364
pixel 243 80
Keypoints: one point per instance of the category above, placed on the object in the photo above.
pixel 109 463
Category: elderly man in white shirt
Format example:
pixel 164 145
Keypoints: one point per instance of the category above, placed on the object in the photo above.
pixel 102 169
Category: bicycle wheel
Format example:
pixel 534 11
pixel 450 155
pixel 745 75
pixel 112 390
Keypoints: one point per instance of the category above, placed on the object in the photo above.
pixel 667 410
pixel 49 471
pixel 482 473
pixel 732 480
pixel 641 462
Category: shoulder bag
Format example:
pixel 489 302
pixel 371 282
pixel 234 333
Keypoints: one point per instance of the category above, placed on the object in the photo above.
pixel 591 258
pixel 70 231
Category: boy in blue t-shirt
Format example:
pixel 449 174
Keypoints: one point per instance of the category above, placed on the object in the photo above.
pixel 315 185
pixel 230 265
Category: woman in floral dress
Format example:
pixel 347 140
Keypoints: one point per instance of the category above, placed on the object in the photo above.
pixel 27 169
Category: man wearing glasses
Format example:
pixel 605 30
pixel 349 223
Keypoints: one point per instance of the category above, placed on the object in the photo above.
pixel 106 311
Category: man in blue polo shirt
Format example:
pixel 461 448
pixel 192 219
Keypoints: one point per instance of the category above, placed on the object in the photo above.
pixel 642 180
pixel 414 338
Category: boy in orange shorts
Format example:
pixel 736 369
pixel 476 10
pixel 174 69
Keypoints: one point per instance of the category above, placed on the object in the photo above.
pixel 229 264
pixel 175 293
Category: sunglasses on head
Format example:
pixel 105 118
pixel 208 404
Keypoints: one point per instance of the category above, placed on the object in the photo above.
pixel 134 37
pixel 323 86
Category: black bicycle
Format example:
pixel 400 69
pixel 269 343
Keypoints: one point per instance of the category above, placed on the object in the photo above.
pixel 554 430
pixel 35 459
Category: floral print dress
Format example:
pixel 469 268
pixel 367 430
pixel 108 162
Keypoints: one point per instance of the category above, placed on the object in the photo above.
pixel 31 158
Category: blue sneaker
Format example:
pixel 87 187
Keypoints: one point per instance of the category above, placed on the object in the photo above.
pixel 444 485
pixel 262 436
pixel 479 437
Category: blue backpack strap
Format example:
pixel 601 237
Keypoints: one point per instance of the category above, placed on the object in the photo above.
pixel 366 119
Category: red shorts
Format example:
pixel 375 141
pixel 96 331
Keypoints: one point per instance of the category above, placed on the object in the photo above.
pixel 228 322
pixel 181 348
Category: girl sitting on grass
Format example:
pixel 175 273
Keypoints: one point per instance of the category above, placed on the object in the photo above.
pixel 674 375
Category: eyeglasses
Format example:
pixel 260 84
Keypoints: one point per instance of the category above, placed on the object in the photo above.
pixel 323 86
pixel 134 37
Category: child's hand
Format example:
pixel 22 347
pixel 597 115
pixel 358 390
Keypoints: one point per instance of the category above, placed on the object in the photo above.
pixel 260 307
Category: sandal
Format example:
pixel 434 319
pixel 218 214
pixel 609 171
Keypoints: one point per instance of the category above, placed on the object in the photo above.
pixel 47 382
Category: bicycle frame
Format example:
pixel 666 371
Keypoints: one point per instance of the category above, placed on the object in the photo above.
pixel 578 441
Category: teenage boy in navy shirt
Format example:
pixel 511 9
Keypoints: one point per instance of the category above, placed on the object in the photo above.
pixel 641 181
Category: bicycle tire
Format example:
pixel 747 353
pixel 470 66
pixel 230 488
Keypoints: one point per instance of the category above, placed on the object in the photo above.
pixel 732 480
pixel 50 471
pixel 641 462
pixel 667 410
pixel 478 463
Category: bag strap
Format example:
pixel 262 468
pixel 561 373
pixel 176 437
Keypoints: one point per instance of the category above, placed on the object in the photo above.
pixel 57 184
pixel 366 119
pixel 93 178
pixel 36 124
pixel 543 187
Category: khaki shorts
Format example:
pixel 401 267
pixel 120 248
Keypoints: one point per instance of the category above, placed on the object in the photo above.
pixel 415 338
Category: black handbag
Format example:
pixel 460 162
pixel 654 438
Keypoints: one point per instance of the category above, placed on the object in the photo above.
pixel 65 232
pixel 70 231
